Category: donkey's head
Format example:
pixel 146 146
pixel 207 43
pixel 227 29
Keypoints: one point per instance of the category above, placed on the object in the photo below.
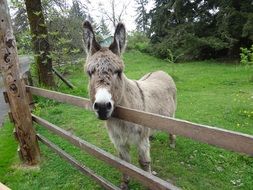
pixel 104 67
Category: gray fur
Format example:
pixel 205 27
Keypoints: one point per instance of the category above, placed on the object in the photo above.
pixel 154 92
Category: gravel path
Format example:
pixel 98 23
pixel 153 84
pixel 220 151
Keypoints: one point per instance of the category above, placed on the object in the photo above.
pixel 24 66
pixel 3 106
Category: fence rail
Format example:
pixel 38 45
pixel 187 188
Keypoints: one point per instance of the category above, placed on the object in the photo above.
pixel 103 182
pixel 226 139
pixel 144 177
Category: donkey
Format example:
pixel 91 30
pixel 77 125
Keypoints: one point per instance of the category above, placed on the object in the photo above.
pixel 109 87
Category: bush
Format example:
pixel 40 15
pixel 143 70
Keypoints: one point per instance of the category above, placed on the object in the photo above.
pixel 24 44
pixel 138 41
pixel 246 56
pixel 166 50
pixel 187 46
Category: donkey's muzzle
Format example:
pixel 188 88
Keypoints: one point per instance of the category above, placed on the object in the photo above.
pixel 103 110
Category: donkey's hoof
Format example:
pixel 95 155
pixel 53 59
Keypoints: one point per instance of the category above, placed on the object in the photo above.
pixel 124 186
pixel 154 173
pixel 173 145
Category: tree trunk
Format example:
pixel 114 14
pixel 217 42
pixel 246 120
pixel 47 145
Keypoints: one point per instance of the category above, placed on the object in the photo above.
pixel 16 94
pixel 40 42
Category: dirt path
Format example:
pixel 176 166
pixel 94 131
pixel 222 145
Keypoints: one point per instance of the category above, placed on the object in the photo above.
pixel 24 66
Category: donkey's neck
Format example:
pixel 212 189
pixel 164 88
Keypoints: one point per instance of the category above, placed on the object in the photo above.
pixel 132 94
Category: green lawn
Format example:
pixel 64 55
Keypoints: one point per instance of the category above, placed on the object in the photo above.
pixel 209 92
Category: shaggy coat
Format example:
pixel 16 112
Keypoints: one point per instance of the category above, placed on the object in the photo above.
pixel 109 87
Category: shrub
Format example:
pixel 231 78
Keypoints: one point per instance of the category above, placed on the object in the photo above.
pixel 171 58
pixel 246 56
pixel 24 44
pixel 138 41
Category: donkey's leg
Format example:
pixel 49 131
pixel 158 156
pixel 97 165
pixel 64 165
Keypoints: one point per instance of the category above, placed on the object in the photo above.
pixel 124 155
pixel 144 154
pixel 172 140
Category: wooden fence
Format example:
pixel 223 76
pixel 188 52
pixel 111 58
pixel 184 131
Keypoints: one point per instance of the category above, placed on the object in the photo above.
pixel 18 95
pixel 226 139
pixel 145 178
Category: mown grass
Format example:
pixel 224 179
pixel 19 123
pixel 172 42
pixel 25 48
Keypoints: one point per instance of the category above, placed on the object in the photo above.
pixel 209 92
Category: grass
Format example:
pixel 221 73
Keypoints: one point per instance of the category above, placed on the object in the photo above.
pixel 209 92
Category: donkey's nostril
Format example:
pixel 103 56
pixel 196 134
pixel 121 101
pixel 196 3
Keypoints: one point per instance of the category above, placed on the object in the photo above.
pixel 96 106
pixel 103 109
pixel 108 105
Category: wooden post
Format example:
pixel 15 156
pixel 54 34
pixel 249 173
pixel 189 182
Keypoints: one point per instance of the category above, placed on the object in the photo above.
pixel 29 96
pixel 15 90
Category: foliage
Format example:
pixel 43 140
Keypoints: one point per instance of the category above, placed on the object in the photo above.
pixel 20 21
pixel 24 42
pixel 138 41
pixel 171 58
pixel 201 29
pixel 63 23
pixel 208 92
pixel 103 29
pixel 40 43
pixel 246 56
pixel 142 16
pixel 66 26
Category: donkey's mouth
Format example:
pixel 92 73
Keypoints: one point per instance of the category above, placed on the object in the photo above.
pixel 103 115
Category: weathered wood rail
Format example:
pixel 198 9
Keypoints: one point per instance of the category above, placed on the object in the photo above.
pixel 144 177
pixel 85 170
pixel 3 187
pixel 226 139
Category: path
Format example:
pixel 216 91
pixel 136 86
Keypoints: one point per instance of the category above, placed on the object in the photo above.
pixel 24 66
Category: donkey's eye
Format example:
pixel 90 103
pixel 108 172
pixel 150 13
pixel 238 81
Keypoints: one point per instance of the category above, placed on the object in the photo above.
pixel 118 72
pixel 90 73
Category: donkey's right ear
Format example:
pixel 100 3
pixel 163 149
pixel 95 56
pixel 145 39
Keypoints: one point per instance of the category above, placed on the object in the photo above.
pixel 119 43
pixel 90 43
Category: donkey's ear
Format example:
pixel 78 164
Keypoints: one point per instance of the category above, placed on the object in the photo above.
pixel 90 43
pixel 119 43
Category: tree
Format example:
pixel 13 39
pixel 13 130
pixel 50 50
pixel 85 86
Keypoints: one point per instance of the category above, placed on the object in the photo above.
pixel 142 16
pixel 235 21
pixel 103 29
pixel 201 29
pixel 20 21
pixel 20 25
pixel 78 10
pixel 40 42
pixel 116 13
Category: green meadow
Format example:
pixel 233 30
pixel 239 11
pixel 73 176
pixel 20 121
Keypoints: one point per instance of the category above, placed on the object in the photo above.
pixel 209 92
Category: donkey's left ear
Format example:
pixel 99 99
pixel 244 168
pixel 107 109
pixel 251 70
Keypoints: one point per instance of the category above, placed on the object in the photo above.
pixel 90 43
pixel 119 43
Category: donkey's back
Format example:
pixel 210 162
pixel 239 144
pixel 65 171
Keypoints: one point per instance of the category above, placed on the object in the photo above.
pixel 159 92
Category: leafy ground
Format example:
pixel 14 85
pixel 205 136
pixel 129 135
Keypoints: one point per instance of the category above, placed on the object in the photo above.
pixel 208 92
